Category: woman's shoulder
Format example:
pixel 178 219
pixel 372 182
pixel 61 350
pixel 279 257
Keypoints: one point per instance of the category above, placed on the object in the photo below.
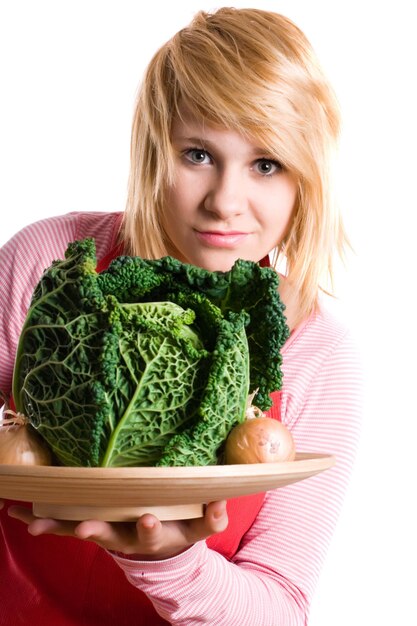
pixel 23 260
pixel 104 227
pixel 52 234
pixel 30 251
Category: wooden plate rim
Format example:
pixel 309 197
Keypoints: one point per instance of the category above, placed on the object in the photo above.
pixel 304 461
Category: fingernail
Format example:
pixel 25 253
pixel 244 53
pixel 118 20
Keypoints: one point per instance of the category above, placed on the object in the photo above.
pixel 148 524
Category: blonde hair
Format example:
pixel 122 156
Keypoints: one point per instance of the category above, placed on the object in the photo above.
pixel 252 71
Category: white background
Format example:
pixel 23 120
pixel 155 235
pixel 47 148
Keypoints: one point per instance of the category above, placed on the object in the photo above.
pixel 69 72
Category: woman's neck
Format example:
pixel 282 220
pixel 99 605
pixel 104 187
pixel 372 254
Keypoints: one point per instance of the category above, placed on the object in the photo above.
pixel 290 297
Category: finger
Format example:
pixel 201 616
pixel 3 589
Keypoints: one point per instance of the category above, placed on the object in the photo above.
pixel 158 540
pixel 118 536
pixel 144 537
pixel 167 539
pixel 45 526
pixel 215 521
pixel 41 526
pixel 216 515
pixel 21 513
pixel 92 528
pixel 150 533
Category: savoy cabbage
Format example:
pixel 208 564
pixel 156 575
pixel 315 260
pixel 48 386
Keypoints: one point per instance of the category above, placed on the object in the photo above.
pixel 149 362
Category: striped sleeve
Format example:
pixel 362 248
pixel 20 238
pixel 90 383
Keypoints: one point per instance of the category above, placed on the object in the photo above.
pixel 272 578
pixel 22 262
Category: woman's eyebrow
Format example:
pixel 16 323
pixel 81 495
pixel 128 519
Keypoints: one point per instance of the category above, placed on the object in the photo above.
pixel 191 140
pixel 256 151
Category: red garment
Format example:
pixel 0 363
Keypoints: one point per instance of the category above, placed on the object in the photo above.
pixel 61 581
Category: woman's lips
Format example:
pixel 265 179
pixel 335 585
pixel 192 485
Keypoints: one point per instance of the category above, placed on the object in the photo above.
pixel 219 239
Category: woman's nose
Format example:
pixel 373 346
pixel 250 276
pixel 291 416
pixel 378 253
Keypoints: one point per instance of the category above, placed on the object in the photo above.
pixel 226 196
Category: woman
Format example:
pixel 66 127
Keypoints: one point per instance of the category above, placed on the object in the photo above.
pixel 233 134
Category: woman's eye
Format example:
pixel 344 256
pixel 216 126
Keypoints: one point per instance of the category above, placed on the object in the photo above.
pixel 267 167
pixel 197 155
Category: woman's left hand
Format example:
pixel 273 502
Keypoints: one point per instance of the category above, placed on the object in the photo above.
pixel 148 538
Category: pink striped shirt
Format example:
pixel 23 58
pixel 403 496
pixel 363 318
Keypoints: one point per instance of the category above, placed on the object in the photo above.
pixel 271 579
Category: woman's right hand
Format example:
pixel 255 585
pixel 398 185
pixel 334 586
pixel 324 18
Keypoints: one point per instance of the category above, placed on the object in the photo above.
pixel 149 538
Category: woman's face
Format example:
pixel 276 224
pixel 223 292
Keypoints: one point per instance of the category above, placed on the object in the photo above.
pixel 229 200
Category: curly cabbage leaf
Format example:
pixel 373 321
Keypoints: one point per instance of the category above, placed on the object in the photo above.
pixel 149 362
pixel 225 395
pixel 247 286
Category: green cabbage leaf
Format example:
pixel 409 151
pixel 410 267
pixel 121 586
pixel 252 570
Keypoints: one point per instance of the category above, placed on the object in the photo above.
pixel 149 362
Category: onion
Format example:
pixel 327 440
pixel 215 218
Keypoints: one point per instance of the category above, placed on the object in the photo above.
pixel 259 440
pixel 20 445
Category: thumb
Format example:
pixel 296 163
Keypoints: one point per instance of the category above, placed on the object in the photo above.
pixel 215 516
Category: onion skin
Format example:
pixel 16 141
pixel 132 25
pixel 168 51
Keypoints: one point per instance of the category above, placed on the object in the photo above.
pixel 20 445
pixel 259 440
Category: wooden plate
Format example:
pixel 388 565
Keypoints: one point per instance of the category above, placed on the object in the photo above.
pixel 123 494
